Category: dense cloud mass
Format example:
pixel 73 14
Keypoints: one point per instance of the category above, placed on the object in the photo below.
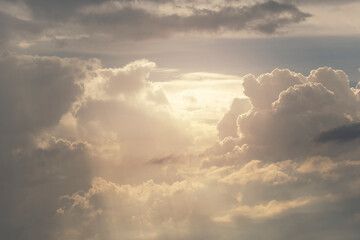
pixel 139 23
pixel 102 146
pixel 89 152
pixel 60 120
pixel 292 114
pixel 35 93
pixel 227 126
pixel 68 21
pixel 315 2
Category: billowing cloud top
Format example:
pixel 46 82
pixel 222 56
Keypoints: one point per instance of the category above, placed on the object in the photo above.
pixel 93 150
pixel 90 152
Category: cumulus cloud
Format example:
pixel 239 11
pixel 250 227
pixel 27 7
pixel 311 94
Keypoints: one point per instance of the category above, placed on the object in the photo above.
pixel 33 180
pixel 144 211
pixel 120 105
pixel 60 121
pixel 263 91
pixel 35 92
pixel 293 130
pixel 100 153
pixel 143 133
pixel 227 125
pixel 290 111
pixel 129 79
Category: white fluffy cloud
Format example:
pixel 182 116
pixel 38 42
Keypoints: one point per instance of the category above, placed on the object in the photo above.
pixel 227 126
pixel 290 112
pixel 129 79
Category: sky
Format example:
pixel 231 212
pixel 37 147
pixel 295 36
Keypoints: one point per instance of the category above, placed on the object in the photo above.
pixel 179 119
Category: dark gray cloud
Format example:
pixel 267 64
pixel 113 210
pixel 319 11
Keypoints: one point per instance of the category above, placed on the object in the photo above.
pixel 318 2
pixel 341 134
pixel 132 23
pixel 35 92
pixel 32 183
pixel 162 160
pixel 56 10
pixel 133 20
pixel 12 28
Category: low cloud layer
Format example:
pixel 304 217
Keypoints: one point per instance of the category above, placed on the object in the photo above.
pixel 90 152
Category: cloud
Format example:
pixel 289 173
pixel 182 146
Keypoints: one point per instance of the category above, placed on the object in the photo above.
pixel 143 133
pixel 316 2
pixel 162 160
pixel 140 20
pixel 121 106
pixel 269 209
pixel 33 180
pixel 133 212
pixel 133 23
pixel 197 98
pixel 97 153
pixel 36 167
pixel 253 172
pixel 341 134
pixel 278 154
pixel 35 92
pixel 12 29
pixel 129 79
pixel 317 164
pixel 227 126
pixel 290 111
pixel 58 116
pixel 53 10
pixel 263 91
